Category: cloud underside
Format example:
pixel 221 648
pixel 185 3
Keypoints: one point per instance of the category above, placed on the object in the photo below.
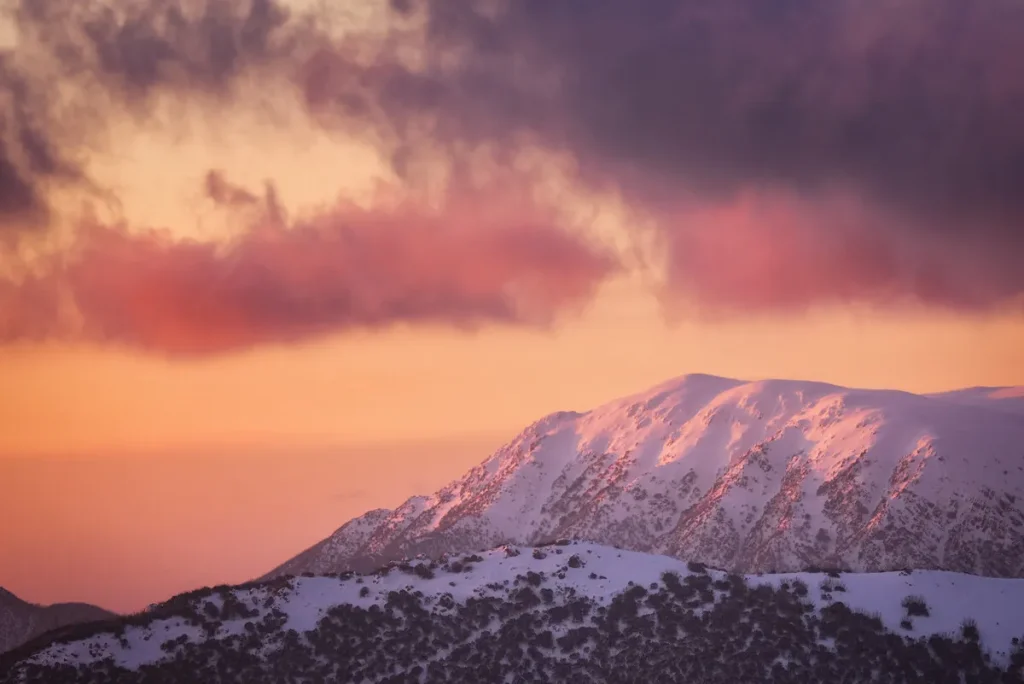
pixel 787 154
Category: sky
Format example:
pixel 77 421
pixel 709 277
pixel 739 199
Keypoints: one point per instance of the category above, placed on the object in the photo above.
pixel 258 256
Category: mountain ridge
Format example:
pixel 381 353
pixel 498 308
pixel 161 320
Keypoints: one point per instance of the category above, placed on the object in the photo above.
pixel 769 475
pixel 21 621
pixel 570 612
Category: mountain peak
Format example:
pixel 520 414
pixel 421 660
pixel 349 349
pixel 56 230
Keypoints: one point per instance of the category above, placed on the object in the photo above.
pixel 750 476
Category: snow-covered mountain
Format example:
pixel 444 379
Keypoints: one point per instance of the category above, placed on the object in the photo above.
pixel 569 612
pixel 21 621
pixel 762 476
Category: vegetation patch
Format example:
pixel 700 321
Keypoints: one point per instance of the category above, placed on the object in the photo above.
pixel 915 606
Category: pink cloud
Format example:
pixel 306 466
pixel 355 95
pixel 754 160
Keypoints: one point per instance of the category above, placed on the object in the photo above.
pixel 471 262
pixel 778 251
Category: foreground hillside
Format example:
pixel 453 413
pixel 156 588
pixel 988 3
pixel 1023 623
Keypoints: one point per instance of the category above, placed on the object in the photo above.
pixel 568 612
pixel 754 477
pixel 21 621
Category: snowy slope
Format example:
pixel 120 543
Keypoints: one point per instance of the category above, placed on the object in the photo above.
pixel 1009 399
pixel 21 621
pixel 751 476
pixel 288 620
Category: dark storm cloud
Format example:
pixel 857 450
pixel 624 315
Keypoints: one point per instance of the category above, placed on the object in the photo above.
pixel 19 199
pixel 29 160
pixel 917 102
pixel 912 109
pixel 140 47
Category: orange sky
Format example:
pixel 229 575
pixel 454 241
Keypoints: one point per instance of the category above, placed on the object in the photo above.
pixel 163 475
pixel 123 531
pixel 130 478
pixel 412 384
pixel 126 476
